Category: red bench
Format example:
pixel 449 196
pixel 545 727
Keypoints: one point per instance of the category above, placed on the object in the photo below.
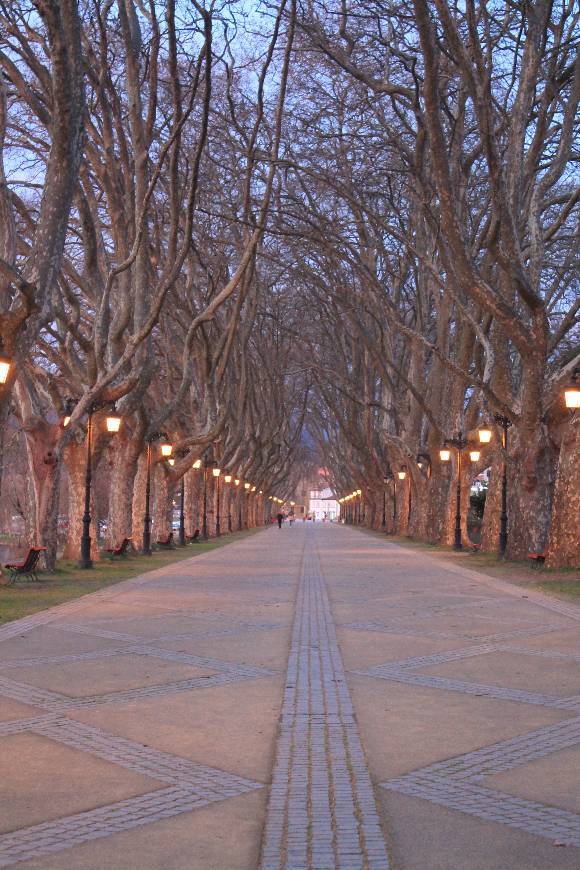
pixel 121 550
pixel 167 543
pixel 26 568
pixel 538 558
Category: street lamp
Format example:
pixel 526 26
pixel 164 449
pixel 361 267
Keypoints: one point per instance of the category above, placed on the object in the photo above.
pixel 424 464
pixel 459 442
pixel 209 463
pixel 390 478
pixel 228 479
pixel 505 424
pixel 166 451
pixel 182 454
pixel 485 437
pixel 216 473
pixel 69 406
pixel 401 474
pixel 237 482
pixel 572 392
pixel 113 423
pixel 5 366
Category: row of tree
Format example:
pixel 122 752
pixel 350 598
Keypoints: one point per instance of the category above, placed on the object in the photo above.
pixel 440 206
pixel 316 223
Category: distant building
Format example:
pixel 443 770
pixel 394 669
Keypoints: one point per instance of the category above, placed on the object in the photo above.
pixel 323 504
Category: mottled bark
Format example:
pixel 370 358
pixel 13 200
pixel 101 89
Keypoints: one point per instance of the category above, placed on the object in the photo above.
pixel 490 527
pixel 138 504
pixel 41 443
pixel 564 540
pixel 161 505
pixel 124 457
pixel 75 461
pixel 530 486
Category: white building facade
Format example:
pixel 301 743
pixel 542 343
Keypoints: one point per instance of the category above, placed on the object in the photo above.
pixel 323 504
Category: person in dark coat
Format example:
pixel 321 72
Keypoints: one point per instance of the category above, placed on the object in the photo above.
pixel 280 518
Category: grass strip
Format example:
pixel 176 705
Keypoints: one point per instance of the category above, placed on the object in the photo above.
pixel 69 581
pixel 560 582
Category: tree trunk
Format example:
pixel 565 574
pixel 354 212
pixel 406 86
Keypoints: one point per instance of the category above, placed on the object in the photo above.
pixel 138 505
pixel 161 506
pixel 125 456
pixel 41 441
pixel 75 458
pixel 530 486
pixel 564 540
pixel 490 526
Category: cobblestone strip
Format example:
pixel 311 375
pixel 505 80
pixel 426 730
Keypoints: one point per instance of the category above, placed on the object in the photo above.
pixel 64 833
pixel 93 631
pixel 19 726
pixel 396 627
pixel 141 649
pixel 455 783
pixel 30 694
pixel 236 628
pixel 403 671
pixel 64 659
pixel 508 754
pixel 321 812
pixel 200 780
pixel 56 702
pixel 555 824
pixel 387 672
pixel 21 626
pixel 202 661
pixel 153 691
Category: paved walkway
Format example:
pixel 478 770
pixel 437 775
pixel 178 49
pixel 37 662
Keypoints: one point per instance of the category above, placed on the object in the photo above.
pixel 305 699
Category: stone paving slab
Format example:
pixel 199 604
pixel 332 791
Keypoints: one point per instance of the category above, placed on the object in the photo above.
pixel 519 784
pixel 310 698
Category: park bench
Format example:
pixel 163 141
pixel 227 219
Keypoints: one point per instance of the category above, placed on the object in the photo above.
pixel 167 543
pixel 26 568
pixel 538 559
pixel 121 550
pixel 194 539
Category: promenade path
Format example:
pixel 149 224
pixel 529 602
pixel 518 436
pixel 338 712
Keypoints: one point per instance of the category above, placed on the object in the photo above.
pixel 311 697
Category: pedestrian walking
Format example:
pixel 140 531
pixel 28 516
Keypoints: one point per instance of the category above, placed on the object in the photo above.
pixel 280 518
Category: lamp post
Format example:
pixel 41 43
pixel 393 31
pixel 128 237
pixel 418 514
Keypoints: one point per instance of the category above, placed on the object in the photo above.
pixel 5 366
pixel 402 474
pixel 216 473
pixel 113 423
pixel 247 489
pixel 390 478
pixel 182 454
pixel 384 520
pixel 459 442
pixel 237 483
pixel 208 463
pixel 228 479
pixel 424 465
pixel 166 451
pixel 572 392
pixel 484 438
pixel 503 534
